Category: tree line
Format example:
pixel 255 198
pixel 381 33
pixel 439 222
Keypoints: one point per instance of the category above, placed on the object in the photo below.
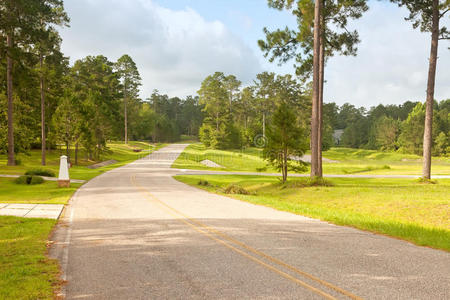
pixel 388 127
pixel 45 102
pixel 236 116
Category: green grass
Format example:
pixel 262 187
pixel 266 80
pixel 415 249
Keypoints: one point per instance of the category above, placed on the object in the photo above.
pixel 48 192
pixel 25 271
pixel 249 159
pixel 401 208
pixel 119 151
pixel 350 161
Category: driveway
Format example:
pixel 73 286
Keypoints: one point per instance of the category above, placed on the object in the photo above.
pixel 136 233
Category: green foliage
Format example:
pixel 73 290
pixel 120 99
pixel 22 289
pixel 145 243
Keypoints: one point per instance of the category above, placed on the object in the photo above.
pixel 41 172
pixel 411 136
pixel 23 179
pixel 203 182
pixel 205 134
pixel 442 146
pixel 36 180
pixel 285 139
pixel 286 44
pixel 28 179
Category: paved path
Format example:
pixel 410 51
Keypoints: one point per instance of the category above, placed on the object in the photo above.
pixel 48 211
pixel 136 233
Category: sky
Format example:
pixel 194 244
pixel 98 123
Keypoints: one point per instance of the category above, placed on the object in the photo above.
pixel 177 43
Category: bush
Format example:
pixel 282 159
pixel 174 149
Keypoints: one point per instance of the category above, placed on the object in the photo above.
pixel 28 179
pixel 40 172
pixel 203 182
pixel 18 161
pixel 236 189
pixel 36 180
pixel 23 179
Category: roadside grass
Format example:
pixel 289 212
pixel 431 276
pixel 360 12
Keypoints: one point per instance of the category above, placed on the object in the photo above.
pixel 25 271
pixel 47 192
pixel 401 208
pixel 349 161
pixel 119 151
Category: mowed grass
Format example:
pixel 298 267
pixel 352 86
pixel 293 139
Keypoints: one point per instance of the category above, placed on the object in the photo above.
pixel 122 153
pixel 348 161
pixel 401 208
pixel 25 271
pixel 245 160
pixel 360 161
pixel 48 192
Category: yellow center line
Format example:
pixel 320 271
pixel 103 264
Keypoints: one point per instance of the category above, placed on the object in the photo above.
pixel 187 220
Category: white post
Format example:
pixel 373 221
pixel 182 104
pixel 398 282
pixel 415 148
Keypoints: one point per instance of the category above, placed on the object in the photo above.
pixel 63 178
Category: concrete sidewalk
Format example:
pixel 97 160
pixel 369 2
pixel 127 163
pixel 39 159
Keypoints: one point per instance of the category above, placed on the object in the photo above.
pixel 47 211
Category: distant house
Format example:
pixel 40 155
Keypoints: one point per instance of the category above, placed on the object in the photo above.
pixel 337 134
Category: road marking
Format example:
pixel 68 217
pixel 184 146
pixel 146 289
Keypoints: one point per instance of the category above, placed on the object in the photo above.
pixel 198 227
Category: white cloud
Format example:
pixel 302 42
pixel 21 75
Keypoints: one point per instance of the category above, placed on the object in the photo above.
pixel 392 62
pixel 174 50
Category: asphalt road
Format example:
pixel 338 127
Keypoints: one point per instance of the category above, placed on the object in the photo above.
pixel 136 233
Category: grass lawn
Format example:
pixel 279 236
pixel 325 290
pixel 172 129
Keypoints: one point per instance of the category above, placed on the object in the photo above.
pixel 401 208
pixel 121 152
pixel 350 161
pixel 47 193
pixel 25 270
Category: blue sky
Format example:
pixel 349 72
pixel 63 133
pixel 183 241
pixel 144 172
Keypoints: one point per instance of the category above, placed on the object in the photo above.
pixel 177 43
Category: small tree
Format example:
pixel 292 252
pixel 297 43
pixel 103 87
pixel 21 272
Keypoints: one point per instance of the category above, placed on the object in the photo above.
pixel 284 140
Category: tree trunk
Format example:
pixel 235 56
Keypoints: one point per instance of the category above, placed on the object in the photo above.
pixel 264 124
pixel 68 151
pixel 217 121
pixel 320 109
pixel 284 165
pixel 43 141
pixel 315 95
pixel 9 83
pixel 427 135
pixel 76 153
pixel 126 119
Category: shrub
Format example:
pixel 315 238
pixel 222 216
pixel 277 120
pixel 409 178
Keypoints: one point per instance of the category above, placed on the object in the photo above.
pixel 28 179
pixel 40 172
pixel 203 182
pixel 236 189
pixel 36 180
pixel 18 161
pixel 262 169
pixel 24 179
